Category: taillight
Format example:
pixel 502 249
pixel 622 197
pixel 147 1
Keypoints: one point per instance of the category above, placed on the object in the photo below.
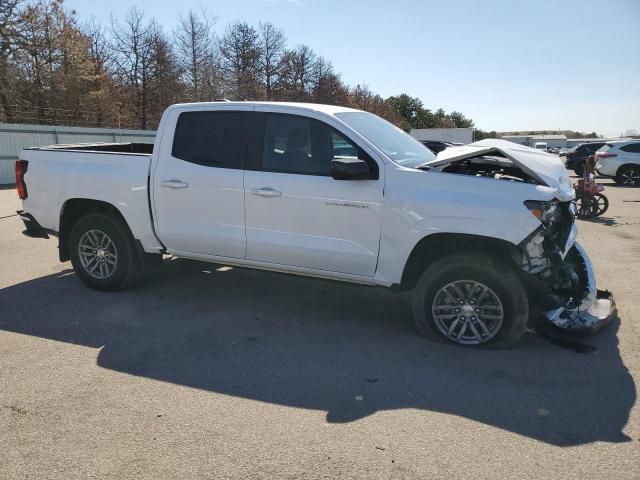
pixel 21 169
pixel 605 155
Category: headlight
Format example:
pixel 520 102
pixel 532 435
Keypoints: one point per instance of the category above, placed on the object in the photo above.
pixel 546 212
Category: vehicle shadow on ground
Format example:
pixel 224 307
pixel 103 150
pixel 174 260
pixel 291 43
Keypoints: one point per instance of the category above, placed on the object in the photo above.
pixel 345 349
pixel 607 221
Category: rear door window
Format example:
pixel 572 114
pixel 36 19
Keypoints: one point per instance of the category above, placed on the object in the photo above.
pixel 214 138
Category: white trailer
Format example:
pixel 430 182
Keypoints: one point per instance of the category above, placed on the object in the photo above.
pixel 454 135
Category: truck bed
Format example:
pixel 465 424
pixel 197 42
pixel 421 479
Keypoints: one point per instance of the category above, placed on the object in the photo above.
pixel 114 173
pixel 134 148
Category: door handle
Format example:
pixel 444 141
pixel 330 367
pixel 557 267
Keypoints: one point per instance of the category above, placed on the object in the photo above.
pixel 175 184
pixel 266 192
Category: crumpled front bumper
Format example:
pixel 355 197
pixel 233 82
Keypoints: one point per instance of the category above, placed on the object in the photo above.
pixel 596 309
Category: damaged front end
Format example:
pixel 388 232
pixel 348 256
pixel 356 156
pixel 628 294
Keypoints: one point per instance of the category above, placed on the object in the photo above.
pixel 556 269
pixel 567 294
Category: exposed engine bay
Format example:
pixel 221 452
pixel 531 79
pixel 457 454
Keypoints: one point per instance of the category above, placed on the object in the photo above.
pixel 490 166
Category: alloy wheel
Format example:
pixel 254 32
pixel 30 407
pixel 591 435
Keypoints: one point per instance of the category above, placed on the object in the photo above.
pixel 98 254
pixel 631 176
pixel 467 312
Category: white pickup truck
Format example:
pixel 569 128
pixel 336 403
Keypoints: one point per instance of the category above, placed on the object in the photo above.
pixel 483 235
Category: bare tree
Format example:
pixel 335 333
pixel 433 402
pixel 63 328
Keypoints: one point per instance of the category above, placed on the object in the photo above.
pixel 363 98
pixel 131 45
pixel 240 52
pixel 52 70
pixel 52 58
pixel 9 36
pixel 39 55
pixel 326 85
pixel 298 68
pixel 272 43
pixel 100 57
pixel 196 54
pixel 75 72
pixel 165 73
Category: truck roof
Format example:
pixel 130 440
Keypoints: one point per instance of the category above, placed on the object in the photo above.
pixel 318 107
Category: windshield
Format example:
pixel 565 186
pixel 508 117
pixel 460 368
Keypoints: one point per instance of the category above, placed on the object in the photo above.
pixel 396 144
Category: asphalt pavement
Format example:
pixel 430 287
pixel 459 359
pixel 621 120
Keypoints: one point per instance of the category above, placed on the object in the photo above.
pixel 203 372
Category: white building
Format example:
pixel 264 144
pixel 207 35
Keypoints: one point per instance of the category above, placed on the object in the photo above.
pixel 560 141
pixel 552 141
pixel 455 135
pixel 572 142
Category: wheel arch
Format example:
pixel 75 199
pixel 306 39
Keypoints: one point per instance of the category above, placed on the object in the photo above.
pixel 435 246
pixel 73 210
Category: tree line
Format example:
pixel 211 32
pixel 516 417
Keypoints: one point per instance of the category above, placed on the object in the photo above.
pixel 566 133
pixel 55 69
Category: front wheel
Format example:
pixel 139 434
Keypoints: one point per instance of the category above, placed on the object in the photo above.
pixel 471 300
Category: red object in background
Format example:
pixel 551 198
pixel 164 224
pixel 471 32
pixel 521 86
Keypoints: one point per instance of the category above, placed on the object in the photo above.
pixel 21 169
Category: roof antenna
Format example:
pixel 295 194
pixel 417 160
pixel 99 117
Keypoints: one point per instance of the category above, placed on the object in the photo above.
pixel 222 100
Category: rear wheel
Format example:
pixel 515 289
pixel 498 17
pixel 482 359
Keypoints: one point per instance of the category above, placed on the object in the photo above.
pixel 471 300
pixel 629 175
pixel 102 252
pixel 602 202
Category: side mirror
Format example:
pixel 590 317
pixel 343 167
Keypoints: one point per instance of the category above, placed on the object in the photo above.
pixel 350 169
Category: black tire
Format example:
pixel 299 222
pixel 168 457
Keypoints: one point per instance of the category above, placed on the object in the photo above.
pixel 602 202
pixel 474 267
pixel 628 175
pixel 586 206
pixel 127 264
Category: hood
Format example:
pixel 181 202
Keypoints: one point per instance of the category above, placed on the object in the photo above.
pixel 544 167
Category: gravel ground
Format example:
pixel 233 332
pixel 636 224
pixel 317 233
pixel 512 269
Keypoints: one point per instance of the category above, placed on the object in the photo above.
pixel 201 373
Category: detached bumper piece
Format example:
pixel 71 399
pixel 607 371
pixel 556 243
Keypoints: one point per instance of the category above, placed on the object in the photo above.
pixel 33 228
pixel 586 322
pixel 592 309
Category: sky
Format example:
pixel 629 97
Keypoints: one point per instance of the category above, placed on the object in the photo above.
pixel 507 64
